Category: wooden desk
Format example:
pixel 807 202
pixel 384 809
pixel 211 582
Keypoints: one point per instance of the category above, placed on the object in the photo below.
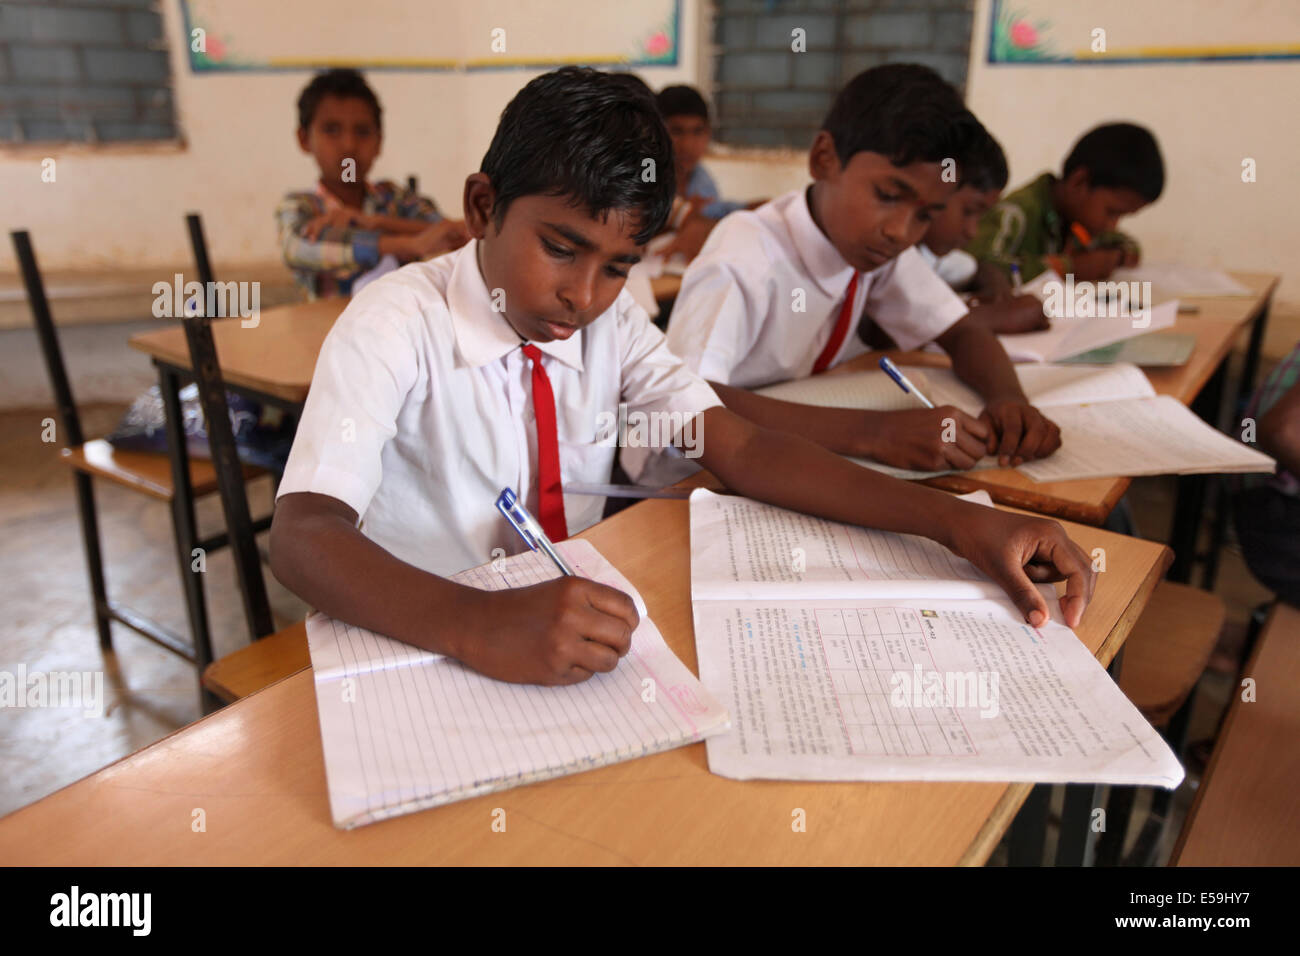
pixel 257 771
pixel 276 358
pixel 1246 812
pixel 1217 326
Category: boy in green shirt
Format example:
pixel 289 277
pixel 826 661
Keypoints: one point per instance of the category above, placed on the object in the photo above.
pixel 1069 224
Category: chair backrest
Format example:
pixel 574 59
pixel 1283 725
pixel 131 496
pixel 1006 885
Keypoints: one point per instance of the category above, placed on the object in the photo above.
pixel 67 408
pixel 225 454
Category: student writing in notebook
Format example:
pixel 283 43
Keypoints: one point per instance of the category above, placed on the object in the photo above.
pixel 1070 224
pixel 445 381
pixel 777 293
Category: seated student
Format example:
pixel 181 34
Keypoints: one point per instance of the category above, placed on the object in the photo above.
pixel 686 116
pixel 1069 224
pixel 446 381
pixel 984 176
pixel 776 293
pixel 345 226
pixel 1266 509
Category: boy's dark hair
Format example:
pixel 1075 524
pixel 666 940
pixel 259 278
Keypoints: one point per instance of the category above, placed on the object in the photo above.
pixel 904 111
pixel 1120 156
pixel 343 83
pixel 986 164
pixel 587 135
pixel 682 101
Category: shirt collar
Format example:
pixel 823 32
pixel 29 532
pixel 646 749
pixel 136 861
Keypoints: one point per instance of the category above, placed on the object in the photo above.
pixel 482 334
pixel 821 260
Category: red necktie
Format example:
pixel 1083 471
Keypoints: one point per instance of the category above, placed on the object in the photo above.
pixel 841 329
pixel 550 497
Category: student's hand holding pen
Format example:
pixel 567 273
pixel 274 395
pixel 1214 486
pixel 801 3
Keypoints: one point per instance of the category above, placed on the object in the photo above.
pixel 1019 552
pixel 924 439
pixel 557 632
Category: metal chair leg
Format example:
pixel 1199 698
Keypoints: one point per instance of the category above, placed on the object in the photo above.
pixel 94 557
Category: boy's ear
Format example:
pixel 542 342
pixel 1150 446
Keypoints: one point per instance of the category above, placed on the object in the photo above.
pixel 302 140
pixel 480 197
pixel 823 160
pixel 1079 179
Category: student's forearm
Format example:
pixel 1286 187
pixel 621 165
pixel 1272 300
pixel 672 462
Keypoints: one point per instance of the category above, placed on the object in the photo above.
pixel 398 225
pixel 775 467
pixel 336 569
pixel 845 431
pixel 979 360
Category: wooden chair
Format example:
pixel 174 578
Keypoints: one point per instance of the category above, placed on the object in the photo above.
pixel 143 472
pixel 1246 812
pixel 259 665
pixel 1164 658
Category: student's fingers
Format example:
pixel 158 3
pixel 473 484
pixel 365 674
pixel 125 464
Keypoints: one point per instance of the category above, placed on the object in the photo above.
pixel 314 226
pixel 1010 428
pixel 596 627
pixel 1035 433
pixel 595 657
pixel 575 675
pixel 979 426
pixel 1010 575
pixel 1050 440
pixel 1057 550
pixel 613 602
pixel 970 442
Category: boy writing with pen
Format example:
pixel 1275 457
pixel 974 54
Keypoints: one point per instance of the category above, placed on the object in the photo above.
pixel 487 368
pixel 1070 223
pixel 778 293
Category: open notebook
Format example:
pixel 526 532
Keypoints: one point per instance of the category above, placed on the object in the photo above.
pixel 849 654
pixel 405 729
pixel 1111 420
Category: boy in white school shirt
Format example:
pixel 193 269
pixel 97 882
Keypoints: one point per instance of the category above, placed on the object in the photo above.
pixel 493 366
pixel 778 293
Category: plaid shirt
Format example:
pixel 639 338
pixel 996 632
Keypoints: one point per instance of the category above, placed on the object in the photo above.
pixel 327 265
pixel 1281 380
pixel 1025 228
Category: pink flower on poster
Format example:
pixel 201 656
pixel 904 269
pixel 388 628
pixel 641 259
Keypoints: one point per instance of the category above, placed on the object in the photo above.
pixel 1023 34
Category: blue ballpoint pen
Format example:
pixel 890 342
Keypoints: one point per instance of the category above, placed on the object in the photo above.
pixel 902 381
pixel 515 512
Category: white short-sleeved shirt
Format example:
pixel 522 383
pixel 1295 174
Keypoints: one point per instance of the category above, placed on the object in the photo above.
pixel 956 268
pixel 421 411
pixel 735 319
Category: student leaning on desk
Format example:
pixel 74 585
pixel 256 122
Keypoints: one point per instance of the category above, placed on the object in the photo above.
pixel 777 293
pixel 489 367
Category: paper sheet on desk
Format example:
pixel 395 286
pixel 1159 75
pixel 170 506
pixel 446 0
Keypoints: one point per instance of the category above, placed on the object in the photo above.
pixel 1112 422
pixel 1071 335
pixel 404 730
pixel 888 667
pixel 1169 280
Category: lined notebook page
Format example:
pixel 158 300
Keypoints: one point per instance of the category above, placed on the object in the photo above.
pixel 404 731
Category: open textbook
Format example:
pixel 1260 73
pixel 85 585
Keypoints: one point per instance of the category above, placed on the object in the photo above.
pixel 404 729
pixel 1111 420
pixel 849 654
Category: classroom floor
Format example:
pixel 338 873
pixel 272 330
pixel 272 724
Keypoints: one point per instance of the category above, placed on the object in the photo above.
pixel 149 693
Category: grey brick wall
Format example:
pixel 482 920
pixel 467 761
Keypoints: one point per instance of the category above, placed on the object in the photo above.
pixel 84 70
pixel 767 95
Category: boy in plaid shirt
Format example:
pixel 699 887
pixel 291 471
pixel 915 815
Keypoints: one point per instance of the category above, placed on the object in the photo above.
pixel 346 226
